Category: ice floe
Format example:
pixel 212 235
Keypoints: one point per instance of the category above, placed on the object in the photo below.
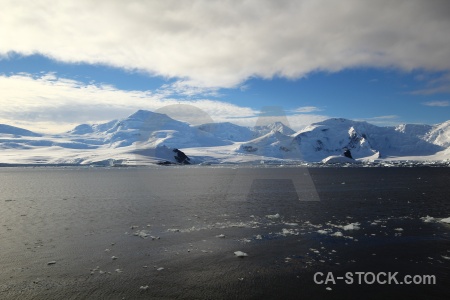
pixel 446 220
pixel 285 232
pixel 352 226
pixel 429 219
pixel 240 254
pixel 337 234
pixel 275 216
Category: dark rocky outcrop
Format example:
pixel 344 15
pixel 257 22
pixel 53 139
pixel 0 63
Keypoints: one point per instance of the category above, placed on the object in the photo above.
pixel 181 158
pixel 348 154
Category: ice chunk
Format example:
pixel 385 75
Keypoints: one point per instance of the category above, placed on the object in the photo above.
pixel 220 236
pixel 286 232
pixel 240 254
pixel 337 234
pixel 291 224
pixel 275 216
pixel 428 219
pixel 446 220
pixel 398 229
pixel 143 287
pixel 141 233
pixel 352 226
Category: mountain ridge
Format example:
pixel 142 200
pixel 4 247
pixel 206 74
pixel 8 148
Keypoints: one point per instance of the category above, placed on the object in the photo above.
pixel 224 142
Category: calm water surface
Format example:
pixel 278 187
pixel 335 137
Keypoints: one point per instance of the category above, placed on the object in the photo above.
pixel 171 232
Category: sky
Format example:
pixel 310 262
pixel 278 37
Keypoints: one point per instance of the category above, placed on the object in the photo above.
pixel 63 63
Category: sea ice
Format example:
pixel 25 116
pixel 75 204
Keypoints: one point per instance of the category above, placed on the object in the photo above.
pixel 446 220
pixel 428 219
pixel 141 233
pixel 337 234
pixel 352 226
pixel 286 232
pixel 240 254
pixel 276 216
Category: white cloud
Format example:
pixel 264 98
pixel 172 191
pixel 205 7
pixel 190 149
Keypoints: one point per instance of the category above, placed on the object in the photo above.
pixel 210 43
pixel 437 103
pixel 306 109
pixel 438 85
pixel 183 88
pixel 50 104
pixel 386 120
pixel 387 117
pixel 56 104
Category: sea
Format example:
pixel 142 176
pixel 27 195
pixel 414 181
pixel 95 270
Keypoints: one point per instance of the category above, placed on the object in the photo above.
pixel 224 232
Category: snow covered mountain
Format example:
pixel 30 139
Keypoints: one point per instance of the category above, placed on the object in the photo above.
pixel 229 131
pixel 15 131
pixel 332 136
pixel 150 137
pixel 146 128
pixel 439 135
pixel 236 133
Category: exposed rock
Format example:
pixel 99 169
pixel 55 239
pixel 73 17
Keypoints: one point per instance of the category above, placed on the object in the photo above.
pixel 348 154
pixel 181 158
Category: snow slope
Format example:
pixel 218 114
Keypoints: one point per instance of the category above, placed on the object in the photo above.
pixel 229 131
pixel 16 131
pixel 332 136
pixel 150 137
pixel 439 135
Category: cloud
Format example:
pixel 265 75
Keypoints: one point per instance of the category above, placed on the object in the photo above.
pixel 52 104
pixel 306 109
pixel 183 88
pixel 208 43
pixel 388 117
pixel 437 103
pixel 56 104
pixel 387 120
pixel 439 85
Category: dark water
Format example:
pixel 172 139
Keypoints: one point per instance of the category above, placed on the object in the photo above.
pixel 287 220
